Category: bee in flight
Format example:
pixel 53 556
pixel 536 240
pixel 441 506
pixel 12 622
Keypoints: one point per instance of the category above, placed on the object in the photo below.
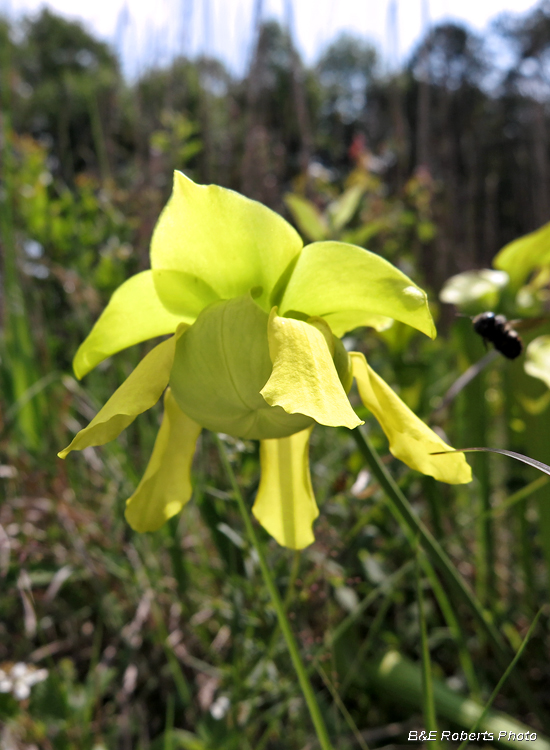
pixel 499 331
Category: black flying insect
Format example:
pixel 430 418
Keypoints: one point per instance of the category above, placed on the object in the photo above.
pixel 498 330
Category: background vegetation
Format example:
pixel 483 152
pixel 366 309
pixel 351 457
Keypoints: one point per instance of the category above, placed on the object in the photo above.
pixel 168 640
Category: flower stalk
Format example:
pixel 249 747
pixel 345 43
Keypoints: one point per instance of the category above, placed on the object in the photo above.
pixel 301 673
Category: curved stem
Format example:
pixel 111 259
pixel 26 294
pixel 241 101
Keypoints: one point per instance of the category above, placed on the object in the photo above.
pixel 405 515
pixel 301 673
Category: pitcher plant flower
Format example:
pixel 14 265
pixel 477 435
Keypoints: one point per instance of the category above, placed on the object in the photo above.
pixel 255 353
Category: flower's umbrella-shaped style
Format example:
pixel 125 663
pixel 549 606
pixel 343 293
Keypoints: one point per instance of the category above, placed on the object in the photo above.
pixel 254 353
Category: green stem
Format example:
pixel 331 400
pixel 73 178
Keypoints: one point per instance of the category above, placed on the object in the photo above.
pixel 430 714
pixel 405 515
pixel 303 679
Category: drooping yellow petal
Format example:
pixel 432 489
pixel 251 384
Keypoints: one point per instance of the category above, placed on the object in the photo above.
pixel 230 242
pixel 166 484
pixel 410 439
pixel 349 287
pixel 139 392
pixel 285 504
pixel 134 313
pixel 304 379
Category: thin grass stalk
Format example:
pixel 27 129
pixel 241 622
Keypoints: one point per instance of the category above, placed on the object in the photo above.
pixel 522 530
pixel 388 585
pixel 169 724
pixel 520 496
pixel 342 708
pixel 364 648
pixel 504 677
pixel 453 625
pixel 301 673
pixel 401 509
pixel 475 420
pixel 430 716
pixel 286 603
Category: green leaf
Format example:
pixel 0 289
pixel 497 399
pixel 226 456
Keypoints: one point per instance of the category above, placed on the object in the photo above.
pixel 134 313
pixel 304 379
pixel 140 391
pixel 537 359
pixel 350 287
pixel 166 485
pixel 311 222
pixel 523 255
pixel 231 243
pixel 341 210
pixel 410 439
pixel 474 291
pixel 285 504
pixel 511 454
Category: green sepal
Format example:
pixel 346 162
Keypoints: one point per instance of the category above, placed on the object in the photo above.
pixel 183 294
pixel 350 287
pixel 228 241
pixel 134 314
pixel 140 391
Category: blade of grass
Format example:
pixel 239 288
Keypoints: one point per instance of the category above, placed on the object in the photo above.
pixel 504 677
pixel 453 625
pixel 169 724
pixel 342 708
pixel 374 629
pixel 430 717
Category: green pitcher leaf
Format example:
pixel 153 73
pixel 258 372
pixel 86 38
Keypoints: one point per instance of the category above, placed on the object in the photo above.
pixel 349 287
pixel 134 313
pixel 522 256
pixel 537 359
pixel 230 242
pixel 342 209
pixel 304 379
pixel 166 484
pixel 310 221
pixel 411 441
pixel 285 505
pixel 140 391
pixel 474 291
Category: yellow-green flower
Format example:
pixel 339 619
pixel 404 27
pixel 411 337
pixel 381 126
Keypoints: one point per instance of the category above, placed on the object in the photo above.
pixel 255 353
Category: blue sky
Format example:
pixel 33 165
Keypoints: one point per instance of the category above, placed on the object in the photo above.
pixel 148 32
